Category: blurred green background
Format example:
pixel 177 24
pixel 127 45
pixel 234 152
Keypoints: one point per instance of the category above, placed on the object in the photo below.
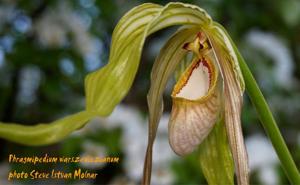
pixel 47 48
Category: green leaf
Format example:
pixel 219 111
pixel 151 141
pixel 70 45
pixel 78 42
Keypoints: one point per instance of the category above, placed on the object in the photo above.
pixel 215 157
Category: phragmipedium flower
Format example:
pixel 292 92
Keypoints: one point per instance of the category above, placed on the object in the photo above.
pixel 207 97
pixel 196 99
pixel 200 99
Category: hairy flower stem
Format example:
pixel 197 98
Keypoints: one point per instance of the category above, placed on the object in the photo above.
pixel 269 124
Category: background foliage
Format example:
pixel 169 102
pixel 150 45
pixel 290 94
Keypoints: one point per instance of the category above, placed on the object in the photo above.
pixel 47 48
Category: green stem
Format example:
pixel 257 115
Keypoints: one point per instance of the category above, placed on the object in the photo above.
pixel 269 123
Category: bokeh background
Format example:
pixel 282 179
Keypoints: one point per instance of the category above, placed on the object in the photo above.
pixel 47 48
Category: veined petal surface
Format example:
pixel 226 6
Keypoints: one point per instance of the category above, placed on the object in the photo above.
pixel 196 106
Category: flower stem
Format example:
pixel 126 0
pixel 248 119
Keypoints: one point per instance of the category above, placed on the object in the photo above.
pixel 269 123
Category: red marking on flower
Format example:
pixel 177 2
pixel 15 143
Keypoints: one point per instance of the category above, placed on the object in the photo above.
pixel 195 66
pixel 186 46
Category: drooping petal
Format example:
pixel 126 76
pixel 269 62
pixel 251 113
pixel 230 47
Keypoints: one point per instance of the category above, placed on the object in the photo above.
pixel 106 87
pixel 44 133
pixel 165 64
pixel 196 106
pixel 233 91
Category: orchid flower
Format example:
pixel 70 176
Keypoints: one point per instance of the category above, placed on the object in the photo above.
pixel 207 97
pixel 199 99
